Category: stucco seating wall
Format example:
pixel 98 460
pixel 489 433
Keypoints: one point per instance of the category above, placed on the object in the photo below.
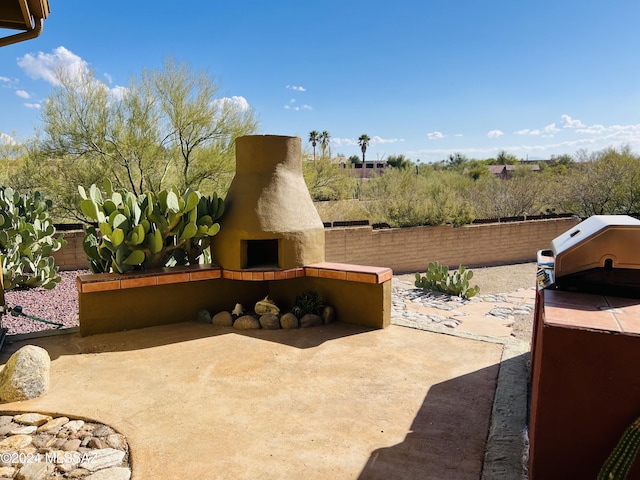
pixel 112 302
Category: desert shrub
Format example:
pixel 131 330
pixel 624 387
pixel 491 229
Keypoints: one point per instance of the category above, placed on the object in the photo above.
pixel 308 302
pixel 524 193
pixel 403 199
pixel 602 183
pixel 327 181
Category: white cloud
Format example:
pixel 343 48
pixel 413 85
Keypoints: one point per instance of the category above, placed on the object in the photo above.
pixel 290 106
pixel 296 88
pixel 49 66
pixel 435 135
pixel 33 105
pixel 526 131
pixel 458 135
pixel 4 79
pixel 376 140
pixel 551 128
pixel 23 94
pixel 6 139
pixel 234 103
pixel 352 142
pixel 45 65
pixel 592 130
pixel 570 122
pixel 109 78
pixel 494 133
pixel 344 142
pixel 118 92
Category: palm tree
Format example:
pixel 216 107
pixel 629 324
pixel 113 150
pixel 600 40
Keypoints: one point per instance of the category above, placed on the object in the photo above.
pixel 325 138
pixel 363 141
pixel 314 137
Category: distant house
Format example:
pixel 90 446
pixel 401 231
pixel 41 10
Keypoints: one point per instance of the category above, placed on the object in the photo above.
pixel 505 171
pixel 364 169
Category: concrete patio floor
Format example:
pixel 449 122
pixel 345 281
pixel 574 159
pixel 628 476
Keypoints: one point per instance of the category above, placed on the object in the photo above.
pixel 338 401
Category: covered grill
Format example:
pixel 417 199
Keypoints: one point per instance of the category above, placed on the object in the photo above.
pixel 599 255
pixel 585 348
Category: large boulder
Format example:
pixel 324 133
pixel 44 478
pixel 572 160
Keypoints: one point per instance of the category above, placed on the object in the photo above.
pixel 26 374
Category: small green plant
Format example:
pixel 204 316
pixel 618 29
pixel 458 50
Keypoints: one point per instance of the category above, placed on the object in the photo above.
pixel 619 463
pixel 439 278
pixel 147 231
pixel 308 302
pixel 27 241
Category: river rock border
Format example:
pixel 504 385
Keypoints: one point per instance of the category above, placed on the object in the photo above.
pixel 267 321
pixel 37 446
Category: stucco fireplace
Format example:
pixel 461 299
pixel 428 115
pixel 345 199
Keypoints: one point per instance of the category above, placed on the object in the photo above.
pixel 270 221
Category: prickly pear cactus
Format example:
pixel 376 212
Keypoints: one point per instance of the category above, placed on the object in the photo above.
pixel 27 241
pixel 621 459
pixel 149 231
pixel 438 278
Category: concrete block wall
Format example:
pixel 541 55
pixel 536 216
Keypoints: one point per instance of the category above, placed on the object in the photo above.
pixel 411 249
pixel 72 256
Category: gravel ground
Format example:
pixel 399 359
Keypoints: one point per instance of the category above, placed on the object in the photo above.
pixel 503 279
pixel 60 305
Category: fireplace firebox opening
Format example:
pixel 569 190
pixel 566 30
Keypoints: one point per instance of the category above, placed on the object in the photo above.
pixel 261 253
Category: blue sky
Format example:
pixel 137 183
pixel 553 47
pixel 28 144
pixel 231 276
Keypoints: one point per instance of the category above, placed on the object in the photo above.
pixel 423 79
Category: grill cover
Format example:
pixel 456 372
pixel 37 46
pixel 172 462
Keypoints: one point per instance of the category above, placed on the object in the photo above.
pixel 599 255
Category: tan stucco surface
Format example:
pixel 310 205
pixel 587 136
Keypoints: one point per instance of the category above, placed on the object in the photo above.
pixel 339 401
pixel 268 199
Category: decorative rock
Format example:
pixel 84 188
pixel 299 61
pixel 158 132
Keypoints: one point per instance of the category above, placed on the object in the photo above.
pixel 71 445
pixel 94 443
pixel 203 317
pixel 7 428
pixel 328 314
pixel 246 322
pixel 288 321
pixel 117 441
pixel 5 419
pixel 270 321
pixel 266 306
pixel 53 426
pixel 238 310
pixel 23 430
pixel 15 442
pixel 73 426
pixel 103 431
pixel 35 471
pixel 8 472
pixel 79 473
pixel 69 463
pixel 26 374
pixel 103 458
pixel 310 320
pixel 114 473
pixel 36 419
pixel 222 319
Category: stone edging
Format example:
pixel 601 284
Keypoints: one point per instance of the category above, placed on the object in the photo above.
pixel 35 445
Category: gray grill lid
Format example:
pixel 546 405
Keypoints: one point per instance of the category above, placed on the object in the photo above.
pixel 601 241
